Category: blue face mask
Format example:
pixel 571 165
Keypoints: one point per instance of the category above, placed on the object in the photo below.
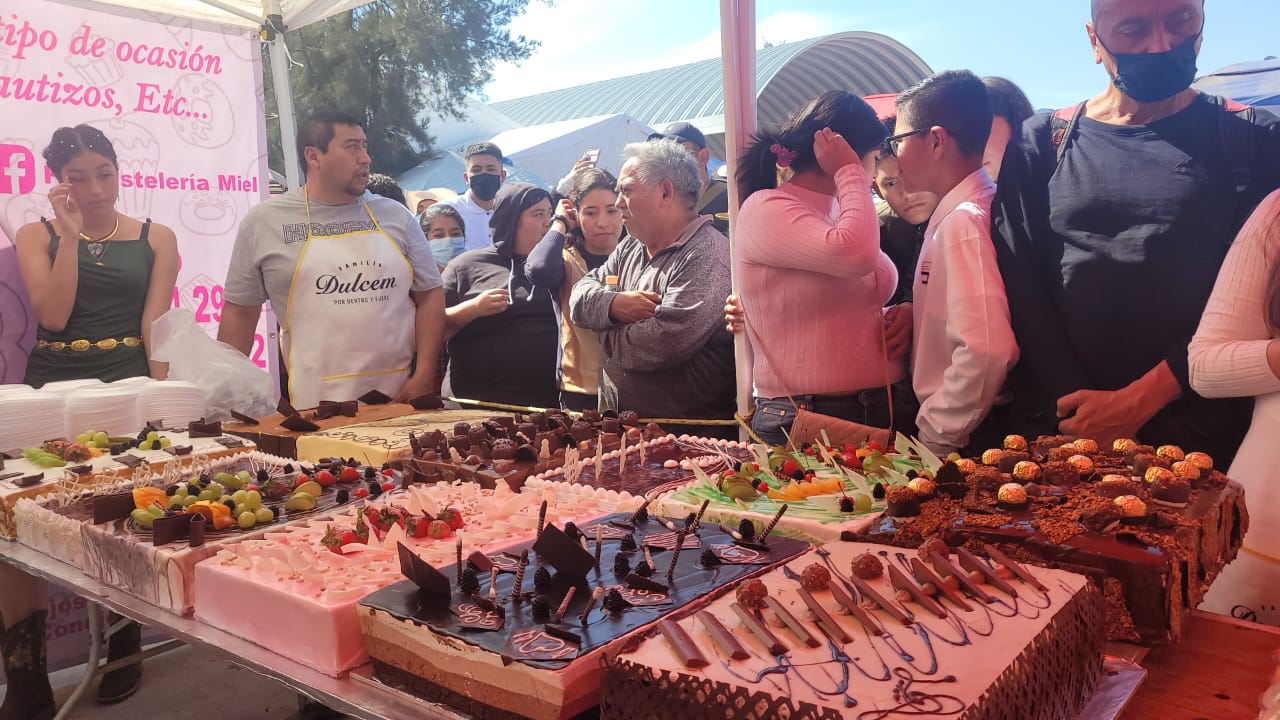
pixel 447 248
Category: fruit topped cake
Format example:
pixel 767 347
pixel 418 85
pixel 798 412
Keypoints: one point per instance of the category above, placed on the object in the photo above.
pixel 93 457
pixel 829 493
pixel 1152 526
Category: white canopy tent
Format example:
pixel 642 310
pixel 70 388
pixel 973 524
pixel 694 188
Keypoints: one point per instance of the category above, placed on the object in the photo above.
pixel 271 18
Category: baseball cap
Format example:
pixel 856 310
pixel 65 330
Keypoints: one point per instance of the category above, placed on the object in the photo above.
pixel 681 132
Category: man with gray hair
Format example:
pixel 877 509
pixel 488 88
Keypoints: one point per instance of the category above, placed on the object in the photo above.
pixel 656 302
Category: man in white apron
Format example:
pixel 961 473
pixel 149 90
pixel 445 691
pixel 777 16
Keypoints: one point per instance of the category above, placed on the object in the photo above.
pixel 350 274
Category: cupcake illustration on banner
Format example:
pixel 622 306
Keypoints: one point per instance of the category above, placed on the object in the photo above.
pixel 100 71
pixel 211 212
pixel 210 120
pixel 138 151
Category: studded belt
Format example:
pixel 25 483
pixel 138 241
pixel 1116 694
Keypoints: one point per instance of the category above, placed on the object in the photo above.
pixel 82 345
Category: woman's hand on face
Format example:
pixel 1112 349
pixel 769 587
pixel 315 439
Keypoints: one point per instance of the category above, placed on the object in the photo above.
pixel 492 302
pixel 70 220
pixel 832 151
pixel 565 209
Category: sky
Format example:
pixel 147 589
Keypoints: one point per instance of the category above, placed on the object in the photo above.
pixel 1039 44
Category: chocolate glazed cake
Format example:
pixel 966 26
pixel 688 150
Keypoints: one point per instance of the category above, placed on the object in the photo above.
pixel 1152 527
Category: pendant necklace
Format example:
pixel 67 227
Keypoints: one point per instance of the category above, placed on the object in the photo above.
pixel 98 248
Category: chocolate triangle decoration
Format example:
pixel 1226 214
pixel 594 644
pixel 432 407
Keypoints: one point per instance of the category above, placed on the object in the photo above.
pixel 430 401
pixel 284 408
pixel 563 554
pixel 297 423
pixel 429 580
pixel 28 480
pixel 201 429
pixel 244 418
pixel 640 582
pixel 112 507
pixel 375 397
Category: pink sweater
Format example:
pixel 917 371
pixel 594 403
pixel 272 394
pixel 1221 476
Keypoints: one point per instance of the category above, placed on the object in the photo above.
pixel 813 283
pixel 1228 355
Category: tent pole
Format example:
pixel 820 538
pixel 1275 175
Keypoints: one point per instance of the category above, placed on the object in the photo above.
pixel 279 55
pixel 738 48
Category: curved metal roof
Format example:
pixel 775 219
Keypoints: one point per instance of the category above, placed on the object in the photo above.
pixel 786 76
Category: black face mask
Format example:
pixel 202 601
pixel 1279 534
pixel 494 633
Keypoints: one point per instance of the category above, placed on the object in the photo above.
pixel 1152 77
pixel 485 186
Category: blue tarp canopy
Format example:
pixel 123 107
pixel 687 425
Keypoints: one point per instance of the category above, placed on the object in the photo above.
pixel 1254 83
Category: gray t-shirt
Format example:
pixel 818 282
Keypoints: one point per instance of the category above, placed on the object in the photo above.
pixel 271 237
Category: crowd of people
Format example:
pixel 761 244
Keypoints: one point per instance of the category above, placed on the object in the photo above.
pixel 958 269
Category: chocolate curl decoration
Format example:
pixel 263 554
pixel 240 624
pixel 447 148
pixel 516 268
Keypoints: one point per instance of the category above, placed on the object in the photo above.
pixel 648 557
pixel 524 563
pixel 542 517
pixel 643 508
pixel 493 584
pixel 697 521
pixel 622 455
pixel 459 561
pixel 564 604
pixel 591 604
pixel 764 536
pixel 675 554
pixel 643 444
pixel 599 544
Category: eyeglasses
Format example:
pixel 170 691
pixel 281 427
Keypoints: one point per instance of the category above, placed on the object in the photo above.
pixel 891 143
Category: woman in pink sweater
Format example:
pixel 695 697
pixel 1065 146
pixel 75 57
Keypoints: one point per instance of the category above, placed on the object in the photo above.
pixel 812 279
pixel 1236 353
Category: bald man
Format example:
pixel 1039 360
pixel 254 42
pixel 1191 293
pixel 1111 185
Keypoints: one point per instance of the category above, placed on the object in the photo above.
pixel 1111 222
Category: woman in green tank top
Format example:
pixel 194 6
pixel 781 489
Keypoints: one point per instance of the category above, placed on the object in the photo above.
pixel 97 279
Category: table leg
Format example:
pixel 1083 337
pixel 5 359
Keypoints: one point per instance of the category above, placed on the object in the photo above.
pixel 91 669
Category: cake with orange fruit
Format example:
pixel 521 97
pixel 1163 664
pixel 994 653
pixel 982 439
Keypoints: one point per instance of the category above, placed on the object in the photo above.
pixel 1151 525
pixel 830 493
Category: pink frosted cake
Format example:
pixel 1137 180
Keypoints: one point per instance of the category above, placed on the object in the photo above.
pixel 295 592
pixel 809 642
pixel 470 643
pixel 21 478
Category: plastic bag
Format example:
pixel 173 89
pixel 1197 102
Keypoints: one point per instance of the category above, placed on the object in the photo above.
pixel 229 380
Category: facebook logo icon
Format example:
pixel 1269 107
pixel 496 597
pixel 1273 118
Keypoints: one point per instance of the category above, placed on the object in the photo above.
pixel 17 170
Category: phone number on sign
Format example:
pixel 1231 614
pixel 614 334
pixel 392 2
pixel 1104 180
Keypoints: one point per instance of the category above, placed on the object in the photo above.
pixel 207 301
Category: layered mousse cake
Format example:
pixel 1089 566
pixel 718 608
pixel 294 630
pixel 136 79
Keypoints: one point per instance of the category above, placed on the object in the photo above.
pixel 528 640
pixel 830 493
pixel 379 441
pixel 67 465
pixel 1152 526
pixel 278 433
pixel 294 592
pixel 865 631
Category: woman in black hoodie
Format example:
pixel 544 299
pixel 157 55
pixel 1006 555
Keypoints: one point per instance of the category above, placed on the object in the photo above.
pixel 501 330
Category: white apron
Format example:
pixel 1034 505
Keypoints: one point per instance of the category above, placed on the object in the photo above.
pixel 1249 588
pixel 349 321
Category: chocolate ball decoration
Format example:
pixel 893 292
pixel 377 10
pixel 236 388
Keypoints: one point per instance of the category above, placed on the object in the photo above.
pixel 1157 473
pixel 1015 442
pixel 751 594
pixel 1186 470
pixel 923 486
pixel 1026 471
pixel 867 566
pixel 1124 445
pixel 1172 453
pixel 966 465
pixel 1131 507
pixel 1082 464
pixel 1086 445
pixel 992 456
pixel 1202 460
pixel 1012 495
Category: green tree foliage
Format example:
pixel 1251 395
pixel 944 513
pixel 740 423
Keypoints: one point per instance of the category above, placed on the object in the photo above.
pixel 391 61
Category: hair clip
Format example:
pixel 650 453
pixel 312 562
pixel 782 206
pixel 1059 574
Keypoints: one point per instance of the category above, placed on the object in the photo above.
pixel 784 155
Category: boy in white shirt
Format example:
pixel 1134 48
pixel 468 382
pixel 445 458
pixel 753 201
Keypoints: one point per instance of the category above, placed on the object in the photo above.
pixel 962 344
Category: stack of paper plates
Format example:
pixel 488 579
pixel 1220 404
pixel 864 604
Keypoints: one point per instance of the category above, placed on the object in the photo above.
pixel 174 402
pixel 110 409
pixel 62 387
pixel 29 418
